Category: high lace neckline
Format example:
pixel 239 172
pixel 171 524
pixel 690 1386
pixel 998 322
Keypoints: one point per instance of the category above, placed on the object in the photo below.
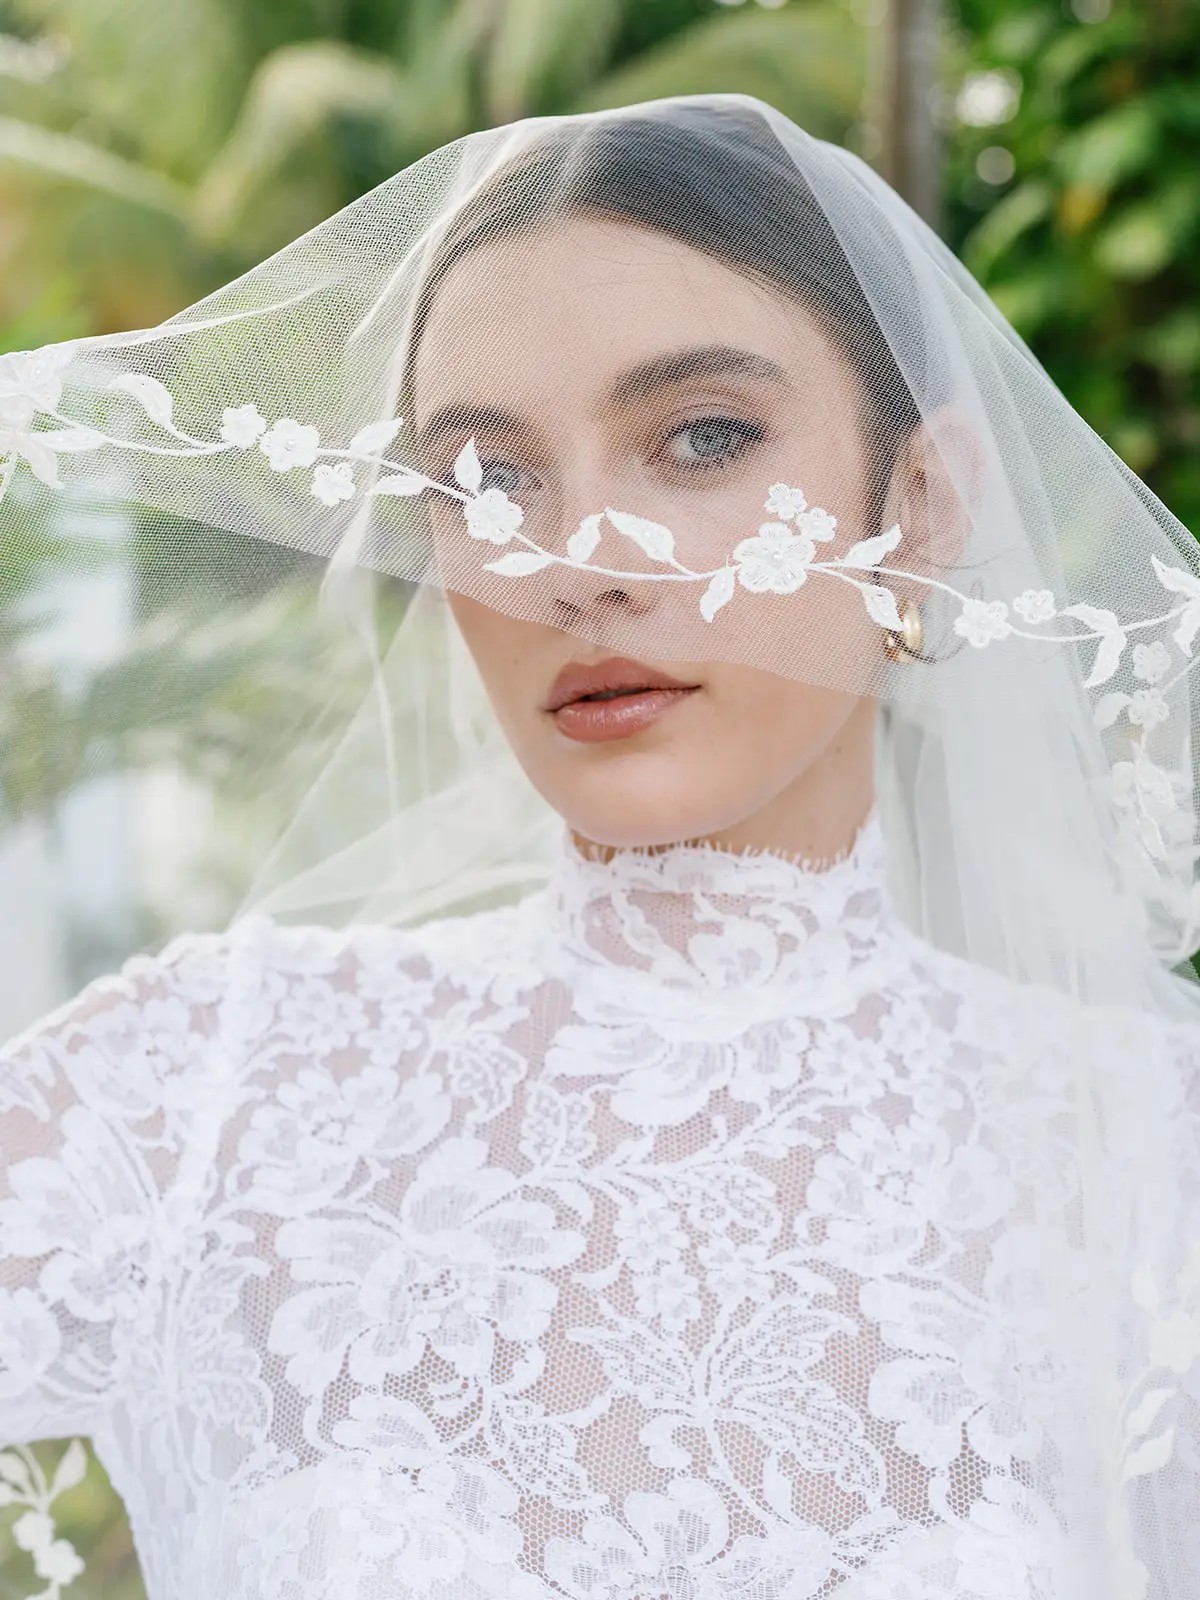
pixel 759 931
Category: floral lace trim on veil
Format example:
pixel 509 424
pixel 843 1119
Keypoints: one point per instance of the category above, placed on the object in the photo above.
pixel 778 558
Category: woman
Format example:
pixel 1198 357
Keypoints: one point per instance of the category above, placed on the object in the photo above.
pixel 793 1193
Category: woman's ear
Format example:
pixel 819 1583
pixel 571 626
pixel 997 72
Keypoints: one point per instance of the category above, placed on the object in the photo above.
pixel 932 493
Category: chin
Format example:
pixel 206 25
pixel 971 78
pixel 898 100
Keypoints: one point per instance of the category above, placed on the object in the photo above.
pixel 624 815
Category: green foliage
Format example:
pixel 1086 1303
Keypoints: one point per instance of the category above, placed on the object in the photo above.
pixel 1092 247
pixel 126 179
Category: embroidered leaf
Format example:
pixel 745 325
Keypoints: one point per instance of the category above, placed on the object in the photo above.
pixel 152 395
pixel 1149 1457
pixel 1108 708
pixel 376 436
pixel 400 483
pixel 43 463
pixel 586 537
pixel 1176 579
pixel 1185 633
pixel 72 1467
pixel 881 606
pixel 869 552
pixel 14 1470
pixel 1112 641
pixel 1143 1414
pixel 519 564
pixel 468 470
pixel 71 439
pixel 718 593
pixel 658 542
pixel 777 1487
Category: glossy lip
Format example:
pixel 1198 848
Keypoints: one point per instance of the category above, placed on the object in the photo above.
pixel 645 696
pixel 576 681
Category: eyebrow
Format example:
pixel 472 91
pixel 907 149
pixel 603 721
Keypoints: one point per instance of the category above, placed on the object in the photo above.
pixel 700 361
pixel 635 383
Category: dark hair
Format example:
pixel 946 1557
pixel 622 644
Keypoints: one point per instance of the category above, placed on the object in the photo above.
pixel 716 177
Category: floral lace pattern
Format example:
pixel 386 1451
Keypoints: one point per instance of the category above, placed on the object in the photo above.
pixel 664 1237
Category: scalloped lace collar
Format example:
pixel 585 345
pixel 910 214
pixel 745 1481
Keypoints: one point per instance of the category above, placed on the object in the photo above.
pixel 760 931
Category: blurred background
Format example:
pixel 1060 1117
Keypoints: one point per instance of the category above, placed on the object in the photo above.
pixel 152 149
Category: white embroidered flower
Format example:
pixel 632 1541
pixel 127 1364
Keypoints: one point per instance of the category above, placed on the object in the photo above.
pixel 981 621
pixel 290 444
pixel 31 381
pixel 648 1235
pixel 492 516
pixel 304 1145
pixel 736 1271
pixel 58 1562
pixel 242 426
pixel 91 1214
pixel 817 523
pixel 1011 1543
pixel 1150 661
pixel 1035 605
pixel 882 1190
pixel 785 501
pixel 1147 708
pixel 775 562
pixel 333 484
pixel 30 1341
pixel 663 1544
pixel 669 1296
pixel 467 1261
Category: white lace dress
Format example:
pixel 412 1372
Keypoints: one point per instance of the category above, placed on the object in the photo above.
pixel 639 1242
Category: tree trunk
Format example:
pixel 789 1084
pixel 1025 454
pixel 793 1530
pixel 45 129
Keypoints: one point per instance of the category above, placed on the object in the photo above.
pixel 906 85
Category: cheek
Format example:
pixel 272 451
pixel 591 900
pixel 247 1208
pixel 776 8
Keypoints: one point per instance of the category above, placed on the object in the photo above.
pixel 772 728
pixel 502 650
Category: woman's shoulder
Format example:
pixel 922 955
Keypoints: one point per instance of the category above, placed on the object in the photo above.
pixel 450 948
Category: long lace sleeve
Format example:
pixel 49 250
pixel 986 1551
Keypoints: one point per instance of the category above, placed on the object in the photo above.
pixel 98 1106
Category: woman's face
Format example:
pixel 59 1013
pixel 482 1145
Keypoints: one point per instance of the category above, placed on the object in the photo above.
pixel 599 365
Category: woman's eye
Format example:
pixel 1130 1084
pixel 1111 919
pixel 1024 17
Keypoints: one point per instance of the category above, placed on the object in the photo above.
pixel 507 477
pixel 711 441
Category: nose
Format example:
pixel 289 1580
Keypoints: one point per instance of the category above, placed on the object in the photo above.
pixel 580 595
pixel 607 579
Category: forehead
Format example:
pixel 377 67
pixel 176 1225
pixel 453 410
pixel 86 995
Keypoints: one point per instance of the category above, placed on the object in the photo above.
pixel 549 315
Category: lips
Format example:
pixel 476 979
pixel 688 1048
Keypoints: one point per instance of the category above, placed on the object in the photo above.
pixel 607 680
pixel 612 699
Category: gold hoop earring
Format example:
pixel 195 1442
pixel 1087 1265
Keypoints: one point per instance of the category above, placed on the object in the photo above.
pixel 910 640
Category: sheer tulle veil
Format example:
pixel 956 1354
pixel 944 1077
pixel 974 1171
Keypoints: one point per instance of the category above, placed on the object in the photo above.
pixel 1035 773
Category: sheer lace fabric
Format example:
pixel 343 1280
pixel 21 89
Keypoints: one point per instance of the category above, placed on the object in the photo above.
pixel 652 1239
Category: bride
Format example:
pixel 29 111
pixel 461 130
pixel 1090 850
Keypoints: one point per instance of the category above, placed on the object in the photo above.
pixel 699 1103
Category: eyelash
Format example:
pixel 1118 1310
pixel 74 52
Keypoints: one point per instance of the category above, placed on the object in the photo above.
pixel 746 434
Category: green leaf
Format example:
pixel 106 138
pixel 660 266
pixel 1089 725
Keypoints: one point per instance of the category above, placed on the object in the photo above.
pixel 158 82
pixel 1111 148
pixel 808 61
pixel 1071 55
pixel 1149 235
pixel 277 174
pixel 1033 297
pixel 1021 209
pixel 61 156
pixel 1173 343
pixel 545 51
pixel 1137 245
